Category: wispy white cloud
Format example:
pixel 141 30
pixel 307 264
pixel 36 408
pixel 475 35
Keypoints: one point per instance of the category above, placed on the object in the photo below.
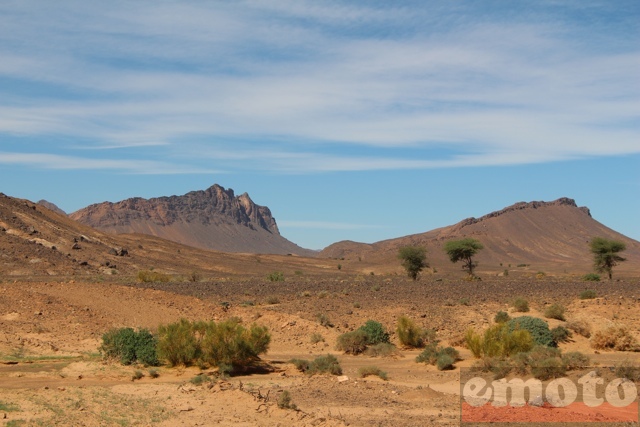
pixel 317 78
pixel 54 161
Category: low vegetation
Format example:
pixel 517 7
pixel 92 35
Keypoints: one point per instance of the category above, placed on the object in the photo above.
pixel 226 343
pixel 411 335
pixel 538 328
pixel 555 311
pixel 356 342
pixel 588 294
pixel 520 305
pixel 499 341
pixel 591 277
pixel 367 371
pixel 580 327
pixel 276 276
pixel 328 364
pixel 285 401
pixel 502 317
pixel 614 337
pixel 442 357
pixel 128 346
pixel 150 276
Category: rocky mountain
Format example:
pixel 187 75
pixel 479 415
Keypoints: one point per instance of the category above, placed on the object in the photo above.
pixel 210 219
pixel 39 243
pixel 545 236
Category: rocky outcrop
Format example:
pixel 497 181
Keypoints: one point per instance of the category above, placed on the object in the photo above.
pixel 211 219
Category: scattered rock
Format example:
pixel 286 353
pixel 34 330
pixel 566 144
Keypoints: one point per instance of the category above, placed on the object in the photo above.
pixel 342 378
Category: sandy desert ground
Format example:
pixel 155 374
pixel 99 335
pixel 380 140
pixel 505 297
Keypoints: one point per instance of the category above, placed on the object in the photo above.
pixel 52 374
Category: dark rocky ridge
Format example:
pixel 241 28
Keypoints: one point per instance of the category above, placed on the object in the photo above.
pixel 563 201
pixel 211 219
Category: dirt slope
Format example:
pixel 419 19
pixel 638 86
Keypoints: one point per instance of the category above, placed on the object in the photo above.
pixel 547 236
pixel 35 241
pixel 210 219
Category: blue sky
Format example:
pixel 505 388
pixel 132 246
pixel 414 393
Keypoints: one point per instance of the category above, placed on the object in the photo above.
pixel 349 119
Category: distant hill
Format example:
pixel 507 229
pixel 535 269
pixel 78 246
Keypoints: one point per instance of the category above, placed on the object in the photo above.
pixel 210 219
pixel 38 242
pixel 51 207
pixel 547 236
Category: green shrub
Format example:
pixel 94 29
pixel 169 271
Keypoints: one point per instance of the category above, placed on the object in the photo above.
pixel 520 305
pixel 129 346
pixel 374 332
pixel 591 277
pixel 366 371
pixel 301 365
pixel 383 349
pixel 444 362
pixel 555 311
pixel 411 335
pixel 177 343
pixel 230 343
pixel 354 342
pixel 538 328
pixel 502 317
pixel 285 402
pixel 149 276
pixel 320 365
pixel 588 294
pixel 561 334
pixel 545 362
pixel 276 276
pixel 442 357
pixel 137 375
pixel 154 373
pixel 225 343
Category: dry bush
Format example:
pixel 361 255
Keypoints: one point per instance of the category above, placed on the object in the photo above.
pixel 366 371
pixel 149 276
pixel 411 335
pixel 383 349
pixel 615 337
pixel 580 327
pixel 555 311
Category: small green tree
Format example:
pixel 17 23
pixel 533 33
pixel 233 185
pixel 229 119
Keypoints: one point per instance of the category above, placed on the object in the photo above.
pixel 414 259
pixel 605 254
pixel 463 250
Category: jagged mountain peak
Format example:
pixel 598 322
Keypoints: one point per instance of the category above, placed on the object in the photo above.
pixel 212 219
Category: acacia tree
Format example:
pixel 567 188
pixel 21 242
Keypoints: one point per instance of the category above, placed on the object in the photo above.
pixel 605 254
pixel 414 259
pixel 463 250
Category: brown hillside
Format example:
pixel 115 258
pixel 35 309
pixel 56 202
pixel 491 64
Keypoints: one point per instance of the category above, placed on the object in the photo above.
pixel 35 241
pixel 209 219
pixel 546 236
